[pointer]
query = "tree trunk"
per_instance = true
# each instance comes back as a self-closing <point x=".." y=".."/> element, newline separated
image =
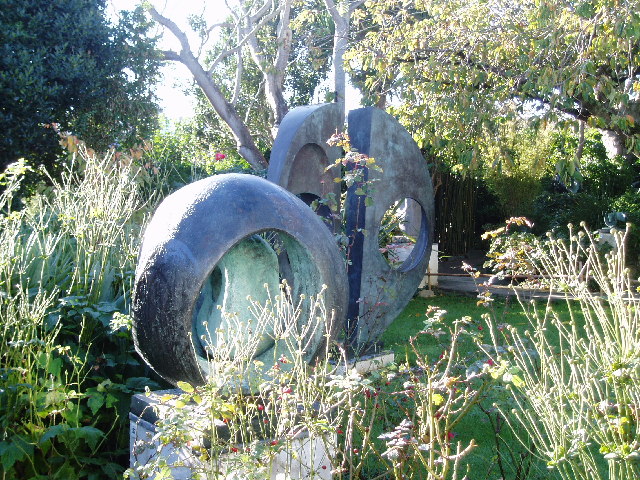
<point x="340" y="43"/>
<point x="340" y="39"/>
<point x="273" y="73"/>
<point x="246" y="147"/>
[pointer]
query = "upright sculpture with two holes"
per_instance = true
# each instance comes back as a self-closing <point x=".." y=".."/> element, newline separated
<point x="213" y="243"/>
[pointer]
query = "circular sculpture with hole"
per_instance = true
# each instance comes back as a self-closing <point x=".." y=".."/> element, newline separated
<point x="210" y="246"/>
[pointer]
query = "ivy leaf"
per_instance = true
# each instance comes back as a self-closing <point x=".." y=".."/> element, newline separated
<point x="91" y="435"/>
<point x="15" y="450"/>
<point x="53" y="432"/>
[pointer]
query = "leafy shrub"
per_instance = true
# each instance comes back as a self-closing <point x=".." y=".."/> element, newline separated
<point x="68" y="368"/>
<point x="398" y="423"/>
<point x="182" y="154"/>
<point x="629" y="203"/>
<point x="513" y="249"/>
<point x="554" y="211"/>
<point x="516" y="192"/>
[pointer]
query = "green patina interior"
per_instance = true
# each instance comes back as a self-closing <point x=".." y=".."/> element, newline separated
<point x="254" y="267"/>
<point x="242" y="272"/>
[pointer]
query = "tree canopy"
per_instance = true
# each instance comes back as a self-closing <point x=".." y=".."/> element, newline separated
<point x="455" y="66"/>
<point x="62" y="62"/>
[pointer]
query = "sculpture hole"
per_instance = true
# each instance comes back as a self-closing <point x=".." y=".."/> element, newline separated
<point x="320" y="206"/>
<point x="254" y="267"/>
<point x="402" y="234"/>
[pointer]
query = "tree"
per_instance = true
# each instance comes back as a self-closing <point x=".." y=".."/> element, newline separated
<point x="242" y="82"/>
<point x="341" y="13"/>
<point x="62" y="62"/>
<point x="264" y="33"/>
<point x="270" y="56"/>
<point x="457" y="65"/>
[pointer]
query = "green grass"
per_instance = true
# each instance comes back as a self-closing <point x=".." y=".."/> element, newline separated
<point x="480" y="424"/>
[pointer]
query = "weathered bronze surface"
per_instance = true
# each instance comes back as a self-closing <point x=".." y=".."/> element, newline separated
<point x="200" y="250"/>
<point x="301" y="155"/>
<point x="206" y="250"/>
<point x="378" y="292"/>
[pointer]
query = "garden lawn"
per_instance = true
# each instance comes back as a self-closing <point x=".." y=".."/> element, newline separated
<point x="501" y="456"/>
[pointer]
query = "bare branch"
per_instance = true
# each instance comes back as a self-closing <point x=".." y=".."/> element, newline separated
<point x="173" y="28"/>
<point x="248" y="35"/>
<point x="262" y="10"/>
<point x="171" y="56"/>
<point x="245" y="145"/>
<point x="354" y="5"/>
<point x="239" y="71"/>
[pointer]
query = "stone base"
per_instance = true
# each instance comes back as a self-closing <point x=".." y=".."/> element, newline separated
<point x="306" y="458"/>
<point x="366" y="363"/>
<point x="426" y="293"/>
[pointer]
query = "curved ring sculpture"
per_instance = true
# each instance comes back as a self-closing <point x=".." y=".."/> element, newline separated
<point x="378" y="292"/>
<point x="202" y="249"/>
<point x="300" y="156"/>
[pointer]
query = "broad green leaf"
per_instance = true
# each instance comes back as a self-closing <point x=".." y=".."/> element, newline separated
<point x="95" y="403"/>
<point x="186" y="387"/>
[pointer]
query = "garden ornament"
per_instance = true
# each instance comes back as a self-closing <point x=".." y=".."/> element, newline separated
<point x="211" y="244"/>
<point x="202" y="249"/>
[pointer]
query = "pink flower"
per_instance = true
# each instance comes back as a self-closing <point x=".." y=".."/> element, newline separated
<point x="220" y="156"/>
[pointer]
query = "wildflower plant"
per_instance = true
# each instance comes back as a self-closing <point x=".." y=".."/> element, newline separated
<point x="67" y="367"/>
<point x="576" y="382"/>
<point x="513" y="250"/>
<point x="398" y="422"/>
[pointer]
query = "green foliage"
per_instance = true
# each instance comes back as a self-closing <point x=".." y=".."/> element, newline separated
<point x="513" y="249"/>
<point x="68" y="368"/>
<point x="62" y="62"/>
<point x="242" y="81"/>
<point x="182" y="153"/>
<point x="554" y="211"/>
<point x="601" y="182"/>
<point x="455" y="67"/>
<point x="398" y="422"/>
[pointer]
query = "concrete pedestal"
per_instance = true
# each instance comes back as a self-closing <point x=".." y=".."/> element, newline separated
<point x="366" y="363"/>
<point x="305" y="457"/>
